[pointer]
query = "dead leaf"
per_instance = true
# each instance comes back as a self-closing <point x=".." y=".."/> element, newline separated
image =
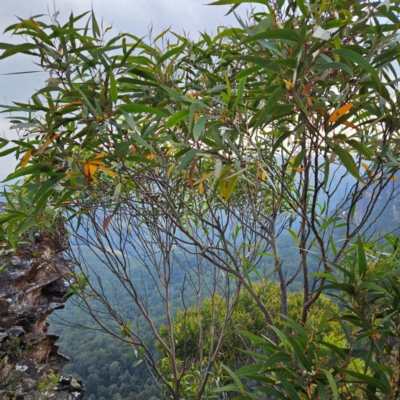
<point x="351" y="125"/>
<point x="106" y="222"/>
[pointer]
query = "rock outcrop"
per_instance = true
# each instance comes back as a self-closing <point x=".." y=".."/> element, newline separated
<point x="31" y="288"/>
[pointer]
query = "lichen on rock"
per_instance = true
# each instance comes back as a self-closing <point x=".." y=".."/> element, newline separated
<point x="31" y="288"/>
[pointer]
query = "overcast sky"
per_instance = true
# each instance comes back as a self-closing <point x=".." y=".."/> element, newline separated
<point x="133" y="16"/>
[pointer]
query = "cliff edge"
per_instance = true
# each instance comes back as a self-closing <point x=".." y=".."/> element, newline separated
<point x="31" y="288"/>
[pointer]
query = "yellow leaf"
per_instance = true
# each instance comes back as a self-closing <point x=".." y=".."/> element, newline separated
<point x="106" y="170"/>
<point x="26" y="158"/>
<point x="151" y="156"/>
<point x="52" y="80"/>
<point x="366" y="167"/>
<point x="204" y="177"/>
<point x="340" y="112"/>
<point x="289" y="84"/>
<point x="201" y="188"/>
<point x="73" y="103"/>
<point x="101" y="155"/>
<point x="170" y="169"/>
<point x="169" y="150"/>
<point x="263" y="176"/>
<point x="47" y="143"/>
<point x="393" y="178"/>
<point x="298" y="169"/>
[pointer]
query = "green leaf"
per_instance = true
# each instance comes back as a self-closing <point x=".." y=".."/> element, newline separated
<point x="227" y="2"/>
<point x="19" y="48"/>
<point x="199" y="126"/>
<point x="113" y="88"/>
<point x="359" y="60"/>
<point x="48" y="184"/>
<point x="303" y="8"/>
<point x="332" y="383"/>
<point x="30" y="170"/>
<point x="269" y="390"/>
<point x="188" y="157"/>
<point x="348" y="161"/>
<point x="334" y="65"/>
<point x="176" y="118"/>
<point x="272" y="101"/>
<point x="8" y="151"/>
<point x="361" y="258"/>
<point x="288" y="387"/>
<point x="283" y="34"/>
<point x="141" y="108"/>
<point x="171" y="53"/>
<point x="294" y="236"/>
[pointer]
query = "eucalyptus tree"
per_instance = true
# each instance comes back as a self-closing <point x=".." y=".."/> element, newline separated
<point x="164" y="148"/>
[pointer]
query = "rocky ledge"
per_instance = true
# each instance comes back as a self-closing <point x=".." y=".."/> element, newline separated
<point x="31" y="288"/>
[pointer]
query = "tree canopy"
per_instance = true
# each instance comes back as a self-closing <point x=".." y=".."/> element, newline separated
<point x="172" y="150"/>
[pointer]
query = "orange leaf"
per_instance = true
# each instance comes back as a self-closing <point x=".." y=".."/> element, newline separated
<point x="101" y="155"/>
<point x="263" y="176"/>
<point x="86" y="172"/>
<point x="375" y="336"/>
<point x="169" y="150"/>
<point x="351" y="125"/>
<point x="393" y="178"/>
<point x="340" y="112"/>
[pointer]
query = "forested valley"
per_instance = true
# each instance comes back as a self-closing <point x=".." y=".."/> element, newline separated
<point x="231" y="203"/>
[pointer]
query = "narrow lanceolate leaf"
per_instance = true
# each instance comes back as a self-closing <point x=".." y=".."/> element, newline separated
<point x="141" y="108"/>
<point x="294" y="236"/>
<point x="30" y="170"/>
<point x="303" y="8"/>
<point x="227" y="2"/>
<point x="113" y="88"/>
<point x="170" y="53"/>
<point x="199" y="127"/>
<point x="340" y="112"/>
<point x="348" y="161"/>
<point x="361" y="258"/>
<point x="283" y="34"/>
<point x="19" y="48"/>
<point x="25" y="159"/>
<point x="359" y="60"/>
<point x="176" y="118"/>
<point x="107" y="221"/>
<point x="230" y="187"/>
<point x="268" y="107"/>
<point x="332" y="383"/>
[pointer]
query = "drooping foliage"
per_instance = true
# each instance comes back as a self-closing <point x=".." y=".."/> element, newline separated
<point x="213" y="149"/>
